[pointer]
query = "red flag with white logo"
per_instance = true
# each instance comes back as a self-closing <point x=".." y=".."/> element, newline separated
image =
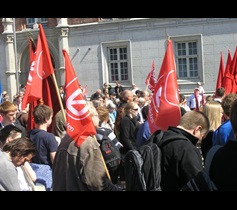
<point x="41" y="67"/>
<point x="164" y="110"/>
<point x="79" y="121"/>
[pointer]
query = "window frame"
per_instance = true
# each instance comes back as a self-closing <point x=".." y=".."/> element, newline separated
<point x="106" y="72"/>
<point x="31" y="21"/>
<point x="200" y="63"/>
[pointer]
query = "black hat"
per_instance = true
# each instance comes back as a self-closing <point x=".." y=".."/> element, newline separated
<point x="112" y="93"/>
<point x="5" y="132"/>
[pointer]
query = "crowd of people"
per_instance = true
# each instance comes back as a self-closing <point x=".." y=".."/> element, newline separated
<point x="48" y="156"/>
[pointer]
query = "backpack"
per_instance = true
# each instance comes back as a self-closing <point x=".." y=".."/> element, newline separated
<point x="202" y="181"/>
<point x="142" y="167"/>
<point x="110" y="151"/>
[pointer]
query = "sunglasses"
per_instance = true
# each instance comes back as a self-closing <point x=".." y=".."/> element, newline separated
<point x="135" y="109"/>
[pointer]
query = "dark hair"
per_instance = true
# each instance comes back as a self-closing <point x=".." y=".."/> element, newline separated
<point x="7" y="131"/>
<point x="233" y="116"/>
<point x="42" y="113"/>
<point x="20" y="147"/>
<point x="145" y="110"/>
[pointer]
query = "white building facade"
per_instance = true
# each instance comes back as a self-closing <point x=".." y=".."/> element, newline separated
<point x="123" y="50"/>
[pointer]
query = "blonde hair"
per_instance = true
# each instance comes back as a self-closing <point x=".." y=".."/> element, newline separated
<point x="6" y="107"/>
<point x="103" y="113"/>
<point x="213" y="111"/>
<point x="130" y="105"/>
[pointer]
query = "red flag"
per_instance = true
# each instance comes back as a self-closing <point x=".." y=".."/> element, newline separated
<point x="151" y="78"/>
<point x="41" y="67"/>
<point x="40" y="84"/>
<point x="79" y="122"/>
<point x="164" y="109"/>
<point x="234" y="73"/>
<point x="221" y="72"/>
<point x="227" y="81"/>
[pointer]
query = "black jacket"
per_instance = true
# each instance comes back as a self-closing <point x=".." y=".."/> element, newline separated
<point x="223" y="169"/>
<point x="128" y="133"/>
<point x="181" y="160"/>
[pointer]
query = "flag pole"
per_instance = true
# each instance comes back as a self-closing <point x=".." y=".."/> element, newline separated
<point x="106" y="169"/>
<point x="59" y="97"/>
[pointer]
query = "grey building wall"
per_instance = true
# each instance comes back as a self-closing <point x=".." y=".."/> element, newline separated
<point x="147" y="38"/>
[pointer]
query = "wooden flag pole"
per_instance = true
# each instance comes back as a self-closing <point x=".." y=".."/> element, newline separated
<point x="106" y="169"/>
<point x="59" y="97"/>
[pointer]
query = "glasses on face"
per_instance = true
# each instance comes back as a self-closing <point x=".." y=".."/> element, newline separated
<point x="135" y="109"/>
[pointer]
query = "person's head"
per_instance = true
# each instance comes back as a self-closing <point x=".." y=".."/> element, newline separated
<point x="9" y="133"/>
<point x="43" y="114"/>
<point x="214" y="112"/>
<point x="145" y="110"/>
<point x="8" y="111"/>
<point x="131" y="109"/>
<point x="197" y="91"/>
<point x="196" y="123"/>
<point x="94" y="114"/>
<point x="145" y="94"/>
<point x="103" y="114"/>
<point x="111" y="107"/>
<point x="134" y="86"/>
<point x="209" y="98"/>
<point x="220" y="92"/>
<point x="127" y="95"/>
<point x="233" y="117"/>
<point x="98" y="92"/>
<point x="20" y="150"/>
<point x="199" y="84"/>
<point x="226" y="104"/>
<point x="182" y="99"/>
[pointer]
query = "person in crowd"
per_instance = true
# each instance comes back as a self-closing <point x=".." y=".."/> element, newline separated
<point x="146" y="95"/>
<point x="46" y="143"/>
<point x="8" y="112"/>
<point x="183" y="102"/>
<point x="194" y="101"/>
<point x="118" y="89"/>
<point x="181" y="159"/>
<point x="224" y="132"/>
<point x="209" y="98"/>
<point x="23" y="116"/>
<point x="200" y="87"/>
<point x="129" y="127"/>
<point x="223" y="169"/>
<point x="106" y="88"/>
<point x="134" y="88"/>
<point x="81" y="168"/>
<point x="144" y="132"/>
<point x="9" y="133"/>
<point x="104" y="127"/>
<point x="220" y="94"/>
<point x="62" y="91"/>
<point x="111" y="107"/>
<point x="112" y="99"/>
<point x="98" y="94"/>
<point x="14" y="154"/>
<point x="59" y="121"/>
<point x="126" y="97"/>
<point x="214" y="113"/>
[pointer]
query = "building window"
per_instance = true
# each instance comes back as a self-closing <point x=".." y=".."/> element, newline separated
<point x="188" y="57"/>
<point x="117" y="62"/>
<point x="31" y="21"/>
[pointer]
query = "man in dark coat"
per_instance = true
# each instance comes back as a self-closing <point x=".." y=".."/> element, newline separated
<point x="181" y="159"/>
